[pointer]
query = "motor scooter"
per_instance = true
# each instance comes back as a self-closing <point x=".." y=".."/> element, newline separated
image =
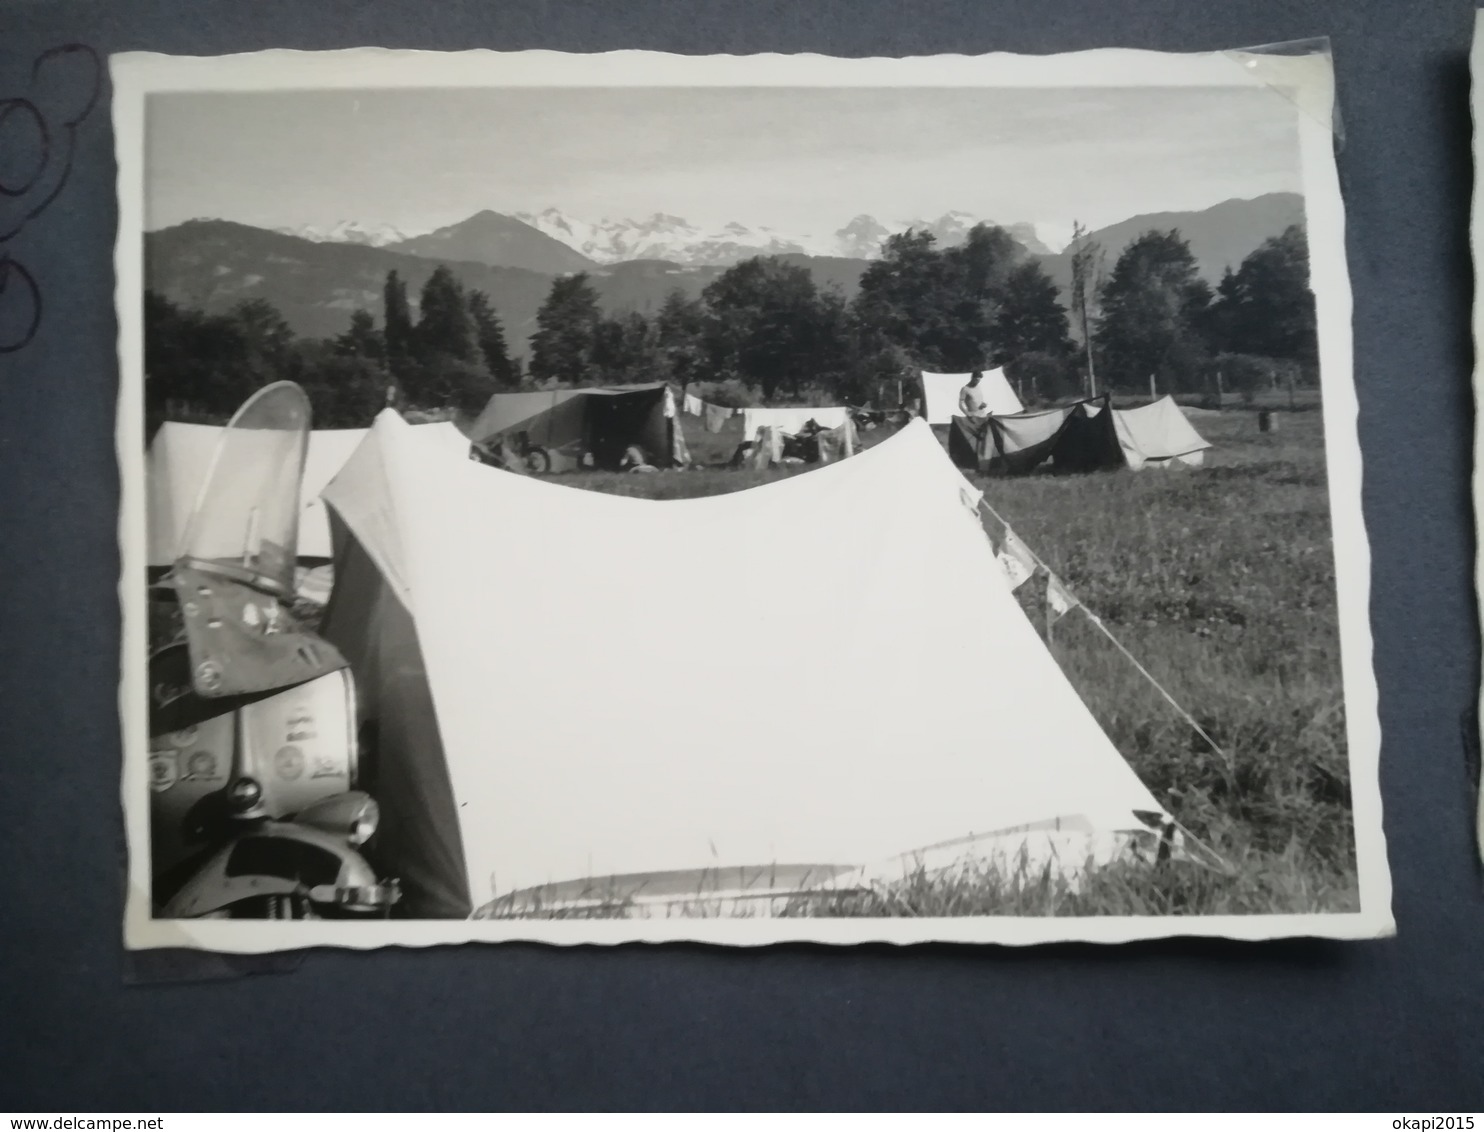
<point x="253" y="763"/>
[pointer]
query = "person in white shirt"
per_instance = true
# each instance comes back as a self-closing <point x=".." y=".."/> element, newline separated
<point x="971" y="402"/>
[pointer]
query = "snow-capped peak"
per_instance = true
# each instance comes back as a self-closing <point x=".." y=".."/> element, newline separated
<point x="348" y="232"/>
<point x="1054" y="234"/>
<point x="660" y="235"/>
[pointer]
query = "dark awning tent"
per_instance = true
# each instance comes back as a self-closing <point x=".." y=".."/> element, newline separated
<point x="1084" y="437"/>
<point x="604" y="421"/>
<point x="541" y="741"/>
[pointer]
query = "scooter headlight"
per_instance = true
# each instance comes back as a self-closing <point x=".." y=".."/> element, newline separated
<point x="364" y="826"/>
<point x="352" y="815"/>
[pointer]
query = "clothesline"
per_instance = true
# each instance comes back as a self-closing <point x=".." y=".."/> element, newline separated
<point x="1215" y="859"/>
<point x="695" y="406"/>
<point x="1098" y="621"/>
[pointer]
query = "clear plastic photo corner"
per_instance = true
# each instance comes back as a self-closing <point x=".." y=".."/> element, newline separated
<point x="632" y="497"/>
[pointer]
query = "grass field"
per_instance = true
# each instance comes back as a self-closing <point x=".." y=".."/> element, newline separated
<point x="1221" y="581"/>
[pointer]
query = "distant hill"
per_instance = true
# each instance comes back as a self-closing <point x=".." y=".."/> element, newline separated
<point x="212" y="265"/>
<point x="500" y="241"/>
<point x="1220" y="236"/>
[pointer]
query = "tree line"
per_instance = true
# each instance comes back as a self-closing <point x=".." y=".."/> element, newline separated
<point x="765" y="331"/>
<point x="451" y="356"/>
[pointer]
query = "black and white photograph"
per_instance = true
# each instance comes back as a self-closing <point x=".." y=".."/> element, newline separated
<point x="740" y="499"/>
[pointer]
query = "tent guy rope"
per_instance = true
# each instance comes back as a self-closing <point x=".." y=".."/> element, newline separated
<point x="1098" y="621"/>
<point x="1214" y="859"/>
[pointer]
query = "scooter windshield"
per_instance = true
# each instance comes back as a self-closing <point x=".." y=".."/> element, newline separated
<point x="246" y="521"/>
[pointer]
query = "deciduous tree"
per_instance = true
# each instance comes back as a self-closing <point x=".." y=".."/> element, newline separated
<point x="1031" y="319"/>
<point x="1154" y="303"/>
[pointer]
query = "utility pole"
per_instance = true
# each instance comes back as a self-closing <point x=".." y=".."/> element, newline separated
<point x="1086" y="260"/>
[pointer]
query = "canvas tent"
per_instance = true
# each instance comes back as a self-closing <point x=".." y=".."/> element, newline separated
<point x="540" y="734"/>
<point x="792" y="418"/>
<point x="771" y="447"/>
<point x="605" y="422"/>
<point x="1080" y="438"/>
<point x="940" y="394"/>
<point x="180" y="459"/>
<point x="1159" y="435"/>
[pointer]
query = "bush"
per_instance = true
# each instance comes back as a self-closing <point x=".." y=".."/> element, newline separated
<point x="442" y="381"/>
<point x="345" y="392"/>
<point x="731" y="393"/>
<point x="1039" y="377"/>
<point x="1250" y="374"/>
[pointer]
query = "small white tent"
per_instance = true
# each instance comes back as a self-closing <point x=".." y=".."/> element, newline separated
<point x="543" y="734"/>
<point x="940" y="394"/>
<point x="1159" y="435"/>
<point x="179" y="461"/>
<point x="792" y="418"/>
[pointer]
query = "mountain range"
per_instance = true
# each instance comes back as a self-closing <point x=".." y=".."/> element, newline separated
<point x="511" y="240"/>
<point x="347" y="232"/>
<point x="212" y="265"/>
<point x="317" y="278"/>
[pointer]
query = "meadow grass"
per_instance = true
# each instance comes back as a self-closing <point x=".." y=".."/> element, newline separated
<point x="1221" y="581"/>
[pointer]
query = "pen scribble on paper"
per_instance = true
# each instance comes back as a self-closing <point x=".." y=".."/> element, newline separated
<point x="38" y="138"/>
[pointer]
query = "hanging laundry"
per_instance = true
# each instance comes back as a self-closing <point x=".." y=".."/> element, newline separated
<point x="1059" y="600"/>
<point x="694" y="405"/>
<point x="1019" y="563"/>
<point x="969" y="496"/>
<point x="715" y="416"/>
<point x="767" y="448"/>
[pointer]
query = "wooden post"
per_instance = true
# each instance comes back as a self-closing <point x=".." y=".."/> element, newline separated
<point x="1151" y="387"/>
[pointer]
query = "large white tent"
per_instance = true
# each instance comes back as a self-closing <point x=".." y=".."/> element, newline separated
<point x="940" y="394"/>
<point x="544" y="726"/>
<point x="180" y="459"/>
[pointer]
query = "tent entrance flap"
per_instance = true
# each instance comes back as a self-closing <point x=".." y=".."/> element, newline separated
<point x="618" y="422"/>
<point x="1073" y="438"/>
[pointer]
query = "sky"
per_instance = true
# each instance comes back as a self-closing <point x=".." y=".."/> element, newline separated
<point x="798" y="160"/>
